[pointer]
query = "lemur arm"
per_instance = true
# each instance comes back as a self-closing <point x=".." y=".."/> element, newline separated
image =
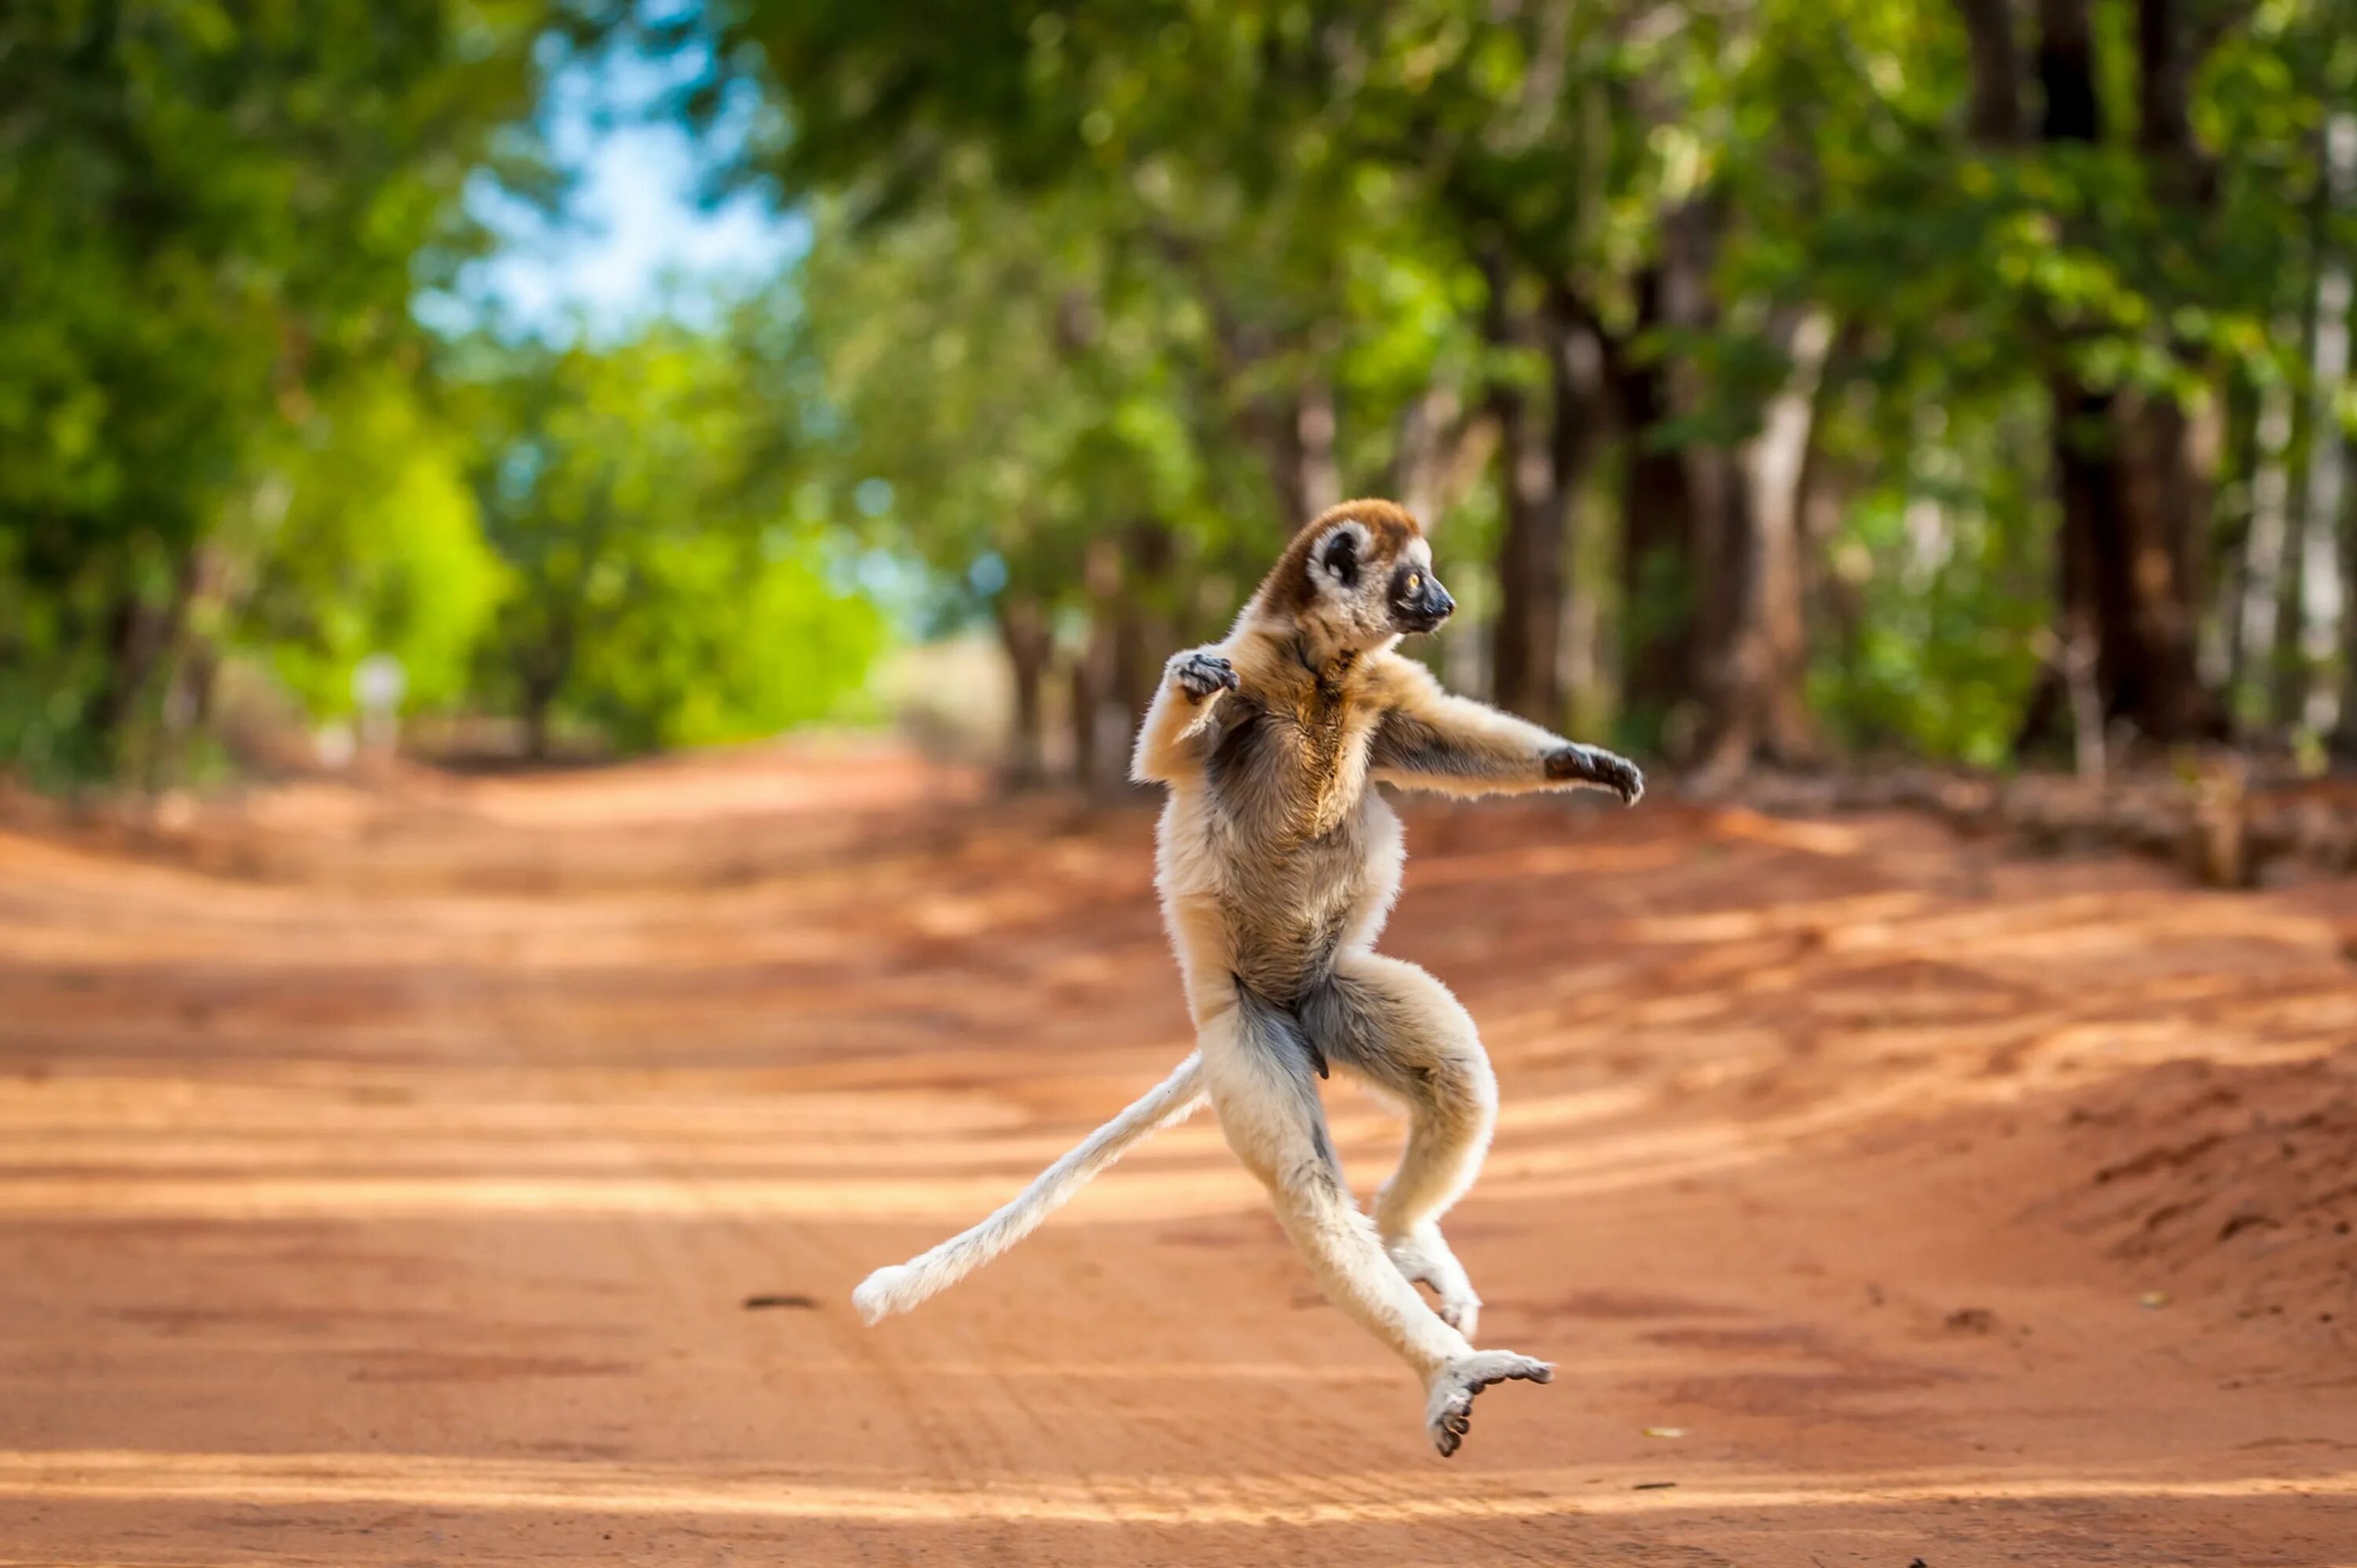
<point x="1429" y="739"/>
<point x="1171" y="740"/>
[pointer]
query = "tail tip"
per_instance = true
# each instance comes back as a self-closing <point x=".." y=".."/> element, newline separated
<point x="880" y="1294"/>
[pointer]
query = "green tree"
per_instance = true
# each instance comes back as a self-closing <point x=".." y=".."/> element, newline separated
<point x="215" y="214"/>
<point x="1788" y="271"/>
<point x="373" y="546"/>
<point x="661" y="588"/>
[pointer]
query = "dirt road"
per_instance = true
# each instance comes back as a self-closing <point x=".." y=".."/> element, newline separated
<point x="475" y="1173"/>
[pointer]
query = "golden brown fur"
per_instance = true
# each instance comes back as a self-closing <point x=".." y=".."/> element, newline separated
<point x="1287" y="588"/>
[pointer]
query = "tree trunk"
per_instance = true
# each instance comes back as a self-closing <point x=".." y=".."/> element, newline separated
<point x="1148" y="632"/>
<point x="133" y="637"/>
<point x="1657" y="544"/>
<point x="1530" y="550"/>
<point x="2266" y="554"/>
<point x="1576" y="421"/>
<point x="1996" y="72"/>
<point x="1023" y="632"/>
<point x="1437" y="451"/>
<point x="1530" y="567"/>
<point x="1099" y="726"/>
<point x="2246" y="410"/>
<point x="1750" y="642"/>
<point x="1299" y="437"/>
<point x="2163" y="502"/>
<point x="1145" y="634"/>
<point x="2328" y="294"/>
<point x="1315" y="428"/>
<point x="1295" y="437"/>
<point x="539" y="697"/>
<point x="2167" y="57"/>
<point x="140" y="635"/>
<point x="542" y="675"/>
<point x="1084" y="692"/>
<point x="1756" y="659"/>
<point x="2122" y="585"/>
<point x="2168" y="452"/>
<point x="2078" y="419"/>
<point x="1778" y="464"/>
<point x="1544" y="446"/>
<point x="194" y="661"/>
<point x="2130" y="535"/>
<point x="2330" y="569"/>
<point x="2066" y="71"/>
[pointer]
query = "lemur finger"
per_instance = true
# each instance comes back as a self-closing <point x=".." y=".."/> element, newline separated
<point x="1204" y="674"/>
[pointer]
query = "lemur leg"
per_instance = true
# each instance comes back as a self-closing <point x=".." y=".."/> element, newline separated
<point x="1265" y="1090"/>
<point x="1404" y="1032"/>
<point x="1258" y="1070"/>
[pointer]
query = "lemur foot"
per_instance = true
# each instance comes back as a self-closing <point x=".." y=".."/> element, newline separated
<point x="1594" y="765"/>
<point x="1203" y="673"/>
<point x="1448" y="1408"/>
<point x="1427" y="1261"/>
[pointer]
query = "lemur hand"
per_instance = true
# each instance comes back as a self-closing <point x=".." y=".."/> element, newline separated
<point x="1200" y="674"/>
<point x="1594" y="765"/>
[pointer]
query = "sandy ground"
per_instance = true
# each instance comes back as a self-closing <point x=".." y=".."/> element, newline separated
<point x="476" y="1172"/>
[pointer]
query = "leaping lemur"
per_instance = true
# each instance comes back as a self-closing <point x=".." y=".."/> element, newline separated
<point x="1276" y="868"/>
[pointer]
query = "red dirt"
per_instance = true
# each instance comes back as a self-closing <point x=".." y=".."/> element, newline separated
<point x="384" y="1177"/>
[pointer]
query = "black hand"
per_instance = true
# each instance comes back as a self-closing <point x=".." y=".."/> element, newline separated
<point x="1204" y="674"/>
<point x="1593" y="765"/>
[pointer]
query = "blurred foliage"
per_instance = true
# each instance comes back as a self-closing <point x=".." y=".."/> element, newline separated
<point x="1288" y="192"/>
<point x="216" y="213"/>
<point x="1779" y="377"/>
<point x="660" y="589"/>
<point x="378" y="549"/>
<point x="223" y="433"/>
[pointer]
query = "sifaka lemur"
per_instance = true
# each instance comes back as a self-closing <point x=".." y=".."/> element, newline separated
<point x="1277" y="866"/>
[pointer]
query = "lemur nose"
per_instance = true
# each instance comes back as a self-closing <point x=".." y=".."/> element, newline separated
<point x="1441" y="603"/>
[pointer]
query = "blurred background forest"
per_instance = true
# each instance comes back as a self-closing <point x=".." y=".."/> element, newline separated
<point x="1783" y="381"/>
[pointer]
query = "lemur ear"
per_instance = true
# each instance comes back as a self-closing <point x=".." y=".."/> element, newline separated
<point x="1340" y="555"/>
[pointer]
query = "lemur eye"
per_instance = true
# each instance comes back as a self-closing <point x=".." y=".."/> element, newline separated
<point x="1415" y="582"/>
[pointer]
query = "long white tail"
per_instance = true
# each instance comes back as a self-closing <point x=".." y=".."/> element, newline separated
<point x="900" y="1286"/>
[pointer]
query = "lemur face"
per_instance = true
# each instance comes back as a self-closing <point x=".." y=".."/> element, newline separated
<point x="1370" y="578"/>
<point x="1418" y="601"/>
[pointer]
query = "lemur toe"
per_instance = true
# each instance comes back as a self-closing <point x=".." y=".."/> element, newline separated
<point x="1424" y="1259"/>
<point x="1448" y="1414"/>
<point x="1460" y="1309"/>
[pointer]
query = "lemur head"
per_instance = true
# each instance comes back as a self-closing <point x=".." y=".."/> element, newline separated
<point x="1358" y="575"/>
